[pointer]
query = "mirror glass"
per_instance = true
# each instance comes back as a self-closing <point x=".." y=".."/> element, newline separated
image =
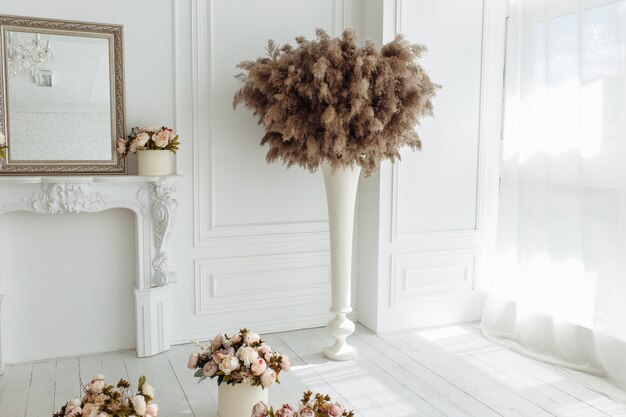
<point x="61" y="96"/>
<point x="61" y="109"/>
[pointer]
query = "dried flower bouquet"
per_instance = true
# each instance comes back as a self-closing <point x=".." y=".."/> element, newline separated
<point x="319" y="405"/>
<point x="330" y="100"/>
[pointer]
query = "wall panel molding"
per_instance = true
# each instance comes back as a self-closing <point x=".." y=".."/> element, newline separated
<point x="427" y="275"/>
<point x="207" y="232"/>
<point x="256" y="283"/>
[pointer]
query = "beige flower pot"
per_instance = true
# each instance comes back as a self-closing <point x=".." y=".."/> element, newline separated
<point x="238" y="400"/>
<point x="154" y="162"/>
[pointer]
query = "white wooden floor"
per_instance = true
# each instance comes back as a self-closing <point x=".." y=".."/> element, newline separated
<point x="449" y="371"/>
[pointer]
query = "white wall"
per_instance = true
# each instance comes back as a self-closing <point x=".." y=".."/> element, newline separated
<point x="251" y="244"/>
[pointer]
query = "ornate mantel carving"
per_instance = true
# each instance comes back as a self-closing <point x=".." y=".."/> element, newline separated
<point x="153" y="201"/>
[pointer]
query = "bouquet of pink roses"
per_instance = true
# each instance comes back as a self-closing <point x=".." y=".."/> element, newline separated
<point x="318" y="406"/>
<point x="101" y="400"/>
<point x="149" y="138"/>
<point x="241" y="358"/>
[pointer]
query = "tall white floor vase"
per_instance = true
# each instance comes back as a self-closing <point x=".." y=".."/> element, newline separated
<point x="341" y="186"/>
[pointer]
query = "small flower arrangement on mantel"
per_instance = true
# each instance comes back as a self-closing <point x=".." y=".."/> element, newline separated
<point x="244" y="366"/>
<point x="102" y="400"/>
<point x="149" y="144"/>
<point x="319" y="405"/>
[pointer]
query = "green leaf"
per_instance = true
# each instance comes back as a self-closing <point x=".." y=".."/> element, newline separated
<point x="142" y="380"/>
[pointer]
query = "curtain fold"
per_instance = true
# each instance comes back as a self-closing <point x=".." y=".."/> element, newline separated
<point x="559" y="285"/>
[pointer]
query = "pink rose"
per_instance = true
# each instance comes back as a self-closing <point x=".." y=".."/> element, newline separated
<point x="161" y="139"/>
<point x="285" y="363"/>
<point x="258" y="367"/>
<point x="229" y="364"/>
<point x="209" y="369"/>
<point x="193" y="360"/>
<point x="259" y="410"/>
<point x="268" y="378"/>
<point x="336" y="410"/>
<point x="152" y="410"/>
<point x="306" y="412"/>
<point x="264" y="349"/>
<point x="121" y="146"/>
<point x="286" y="411"/>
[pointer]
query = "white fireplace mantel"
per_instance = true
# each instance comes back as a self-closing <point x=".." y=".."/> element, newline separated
<point x="153" y="201"/>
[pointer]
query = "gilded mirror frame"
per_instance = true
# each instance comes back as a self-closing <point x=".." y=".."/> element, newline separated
<point x="114" y="33"/>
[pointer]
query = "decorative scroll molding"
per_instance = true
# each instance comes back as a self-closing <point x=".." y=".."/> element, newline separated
<point x="164" y="213"/>
<point x="66" y="198"/>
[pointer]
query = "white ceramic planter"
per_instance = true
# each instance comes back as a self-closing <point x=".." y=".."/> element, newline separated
<point x="341" y="187"/>
<point x="154" y="162"/>
<point x="238" y="400"/>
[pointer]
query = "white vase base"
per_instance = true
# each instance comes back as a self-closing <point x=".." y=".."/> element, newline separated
<point x="344" y="352"/>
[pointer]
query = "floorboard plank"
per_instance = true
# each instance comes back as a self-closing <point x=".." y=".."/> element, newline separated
<point x="67" y="382"/>
<point x="15" y="394"/>
<point x="40" y="396"/>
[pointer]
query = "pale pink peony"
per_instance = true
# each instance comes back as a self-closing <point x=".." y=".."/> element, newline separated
<point x="147" y="389"/>
<point x="95" y="386"/>
<point x="121" y="146"/>
<point x="102" y="414"/>
<point x="139" y="405"/>
<point x="217" y="341"/>
<point x="74" y="403"/>
<point x="251" y="338"/>
<point x="222" y="354"/>
<point x="264" y="349"/>
<point x="193" y="360"/>
<point x="91" y="410"/>
<point x="152" y="410"/>
<point x="152" y="128"/>
<point x="259" y="366"/>
<point x="306" y="412"/>
<point x="247" y="355"/>
<point x="336" y="410"/>
<point x="134" y="145"/>
<point x="286" y="411"/>
<point x="161" y="139"/>
<point x="268" y="378"/>
<point x="259" y="410"/>
<point x="142" y="138"/>
<point x="229" y="364"/>
<point x="209" y="369"/>
<point x="285" y="363"/>
<point x="235" y="339"/>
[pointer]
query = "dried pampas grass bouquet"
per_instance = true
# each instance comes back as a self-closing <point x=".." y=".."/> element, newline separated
<point x="331" y="100"/>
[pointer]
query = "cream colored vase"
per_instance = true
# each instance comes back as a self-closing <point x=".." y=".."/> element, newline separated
<point x="154" y="163"/>
<point x="238" y="400"/>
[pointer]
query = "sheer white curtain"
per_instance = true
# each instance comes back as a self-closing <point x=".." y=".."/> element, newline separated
<point x="559" y="287"/>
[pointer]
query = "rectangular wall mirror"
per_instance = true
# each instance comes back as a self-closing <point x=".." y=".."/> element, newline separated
<point x="62" y="96"/>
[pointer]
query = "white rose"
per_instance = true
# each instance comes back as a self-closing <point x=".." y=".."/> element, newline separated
<point x="268" y="378"/>
<point x="247" y="354"/>
<point x="3" y="139"/>
<point x="142" y="138"/>
<point x="152" y="128"/>
<point x="148" y="390"/>
<point x="229" y="364"/>
<point x="139" y="404"/>
<point x="74" y="403"/>
<point x="193" y="360"/>
<point x="252" y="338"/>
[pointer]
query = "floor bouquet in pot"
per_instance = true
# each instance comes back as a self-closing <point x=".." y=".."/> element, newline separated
<point x="318" y="405"/>
<point x="244" y="366"/>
